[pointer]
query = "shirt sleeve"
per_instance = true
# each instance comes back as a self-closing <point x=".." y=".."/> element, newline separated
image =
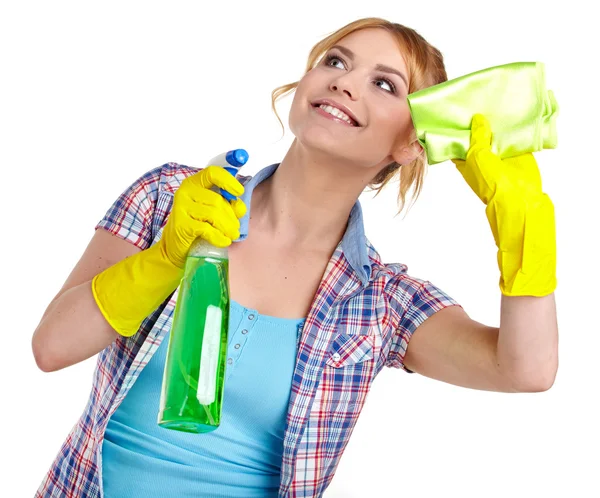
<point x="130" y="216"/>
<point x="414" y="300"/>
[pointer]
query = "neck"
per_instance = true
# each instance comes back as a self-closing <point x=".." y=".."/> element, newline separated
<point x="306" y="203"/>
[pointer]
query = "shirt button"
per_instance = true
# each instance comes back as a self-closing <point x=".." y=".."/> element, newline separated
<point x="237" y="346"/>
<point x="336" y="357"/>
<point x="230" y="361"/>
<point x="244" y="331"/>
<point x="250" y="317"/>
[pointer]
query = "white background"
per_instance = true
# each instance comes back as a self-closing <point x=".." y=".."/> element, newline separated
<point x="92" y="95"/>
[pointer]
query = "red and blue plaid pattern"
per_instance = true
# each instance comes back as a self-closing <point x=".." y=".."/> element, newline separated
<point x="362" y="318"/>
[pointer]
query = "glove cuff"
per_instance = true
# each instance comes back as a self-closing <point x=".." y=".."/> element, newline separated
<point x="525" y="235"/>
<point x="129" y="291"/>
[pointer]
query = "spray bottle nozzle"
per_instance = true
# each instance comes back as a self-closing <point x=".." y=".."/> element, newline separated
<point x="237" y="157"/>
<point x="231" y="160"/>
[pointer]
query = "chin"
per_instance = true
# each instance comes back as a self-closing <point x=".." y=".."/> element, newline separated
<point x="317" y="138"/>
<point x="319" y="143"/>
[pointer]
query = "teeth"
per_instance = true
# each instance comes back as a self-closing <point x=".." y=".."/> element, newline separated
<point x="334" y="111"/>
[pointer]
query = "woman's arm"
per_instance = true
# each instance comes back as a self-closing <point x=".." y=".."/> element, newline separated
<point x="519" y="356"/>
<point x="522" y="354"/>
<point x="72" y="328"/>
<point x="528" y="341"/>
<point x="116" y="285"/>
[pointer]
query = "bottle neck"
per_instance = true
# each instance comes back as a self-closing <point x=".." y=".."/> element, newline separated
<point x="203" y="248"/>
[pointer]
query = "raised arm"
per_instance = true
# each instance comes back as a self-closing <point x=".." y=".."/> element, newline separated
<point x="521" y="355"/>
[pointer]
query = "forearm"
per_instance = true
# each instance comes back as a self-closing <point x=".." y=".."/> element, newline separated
<point x="72" y="330"/>
<point x="528" y="341"/>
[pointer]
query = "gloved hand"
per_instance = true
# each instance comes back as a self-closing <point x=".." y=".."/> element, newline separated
<point x="199" y="212"/>
<point x="132" y="289"/>
<point x="521" y="216"/>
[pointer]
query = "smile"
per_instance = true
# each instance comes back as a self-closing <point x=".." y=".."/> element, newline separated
<point x="336" y="112"/>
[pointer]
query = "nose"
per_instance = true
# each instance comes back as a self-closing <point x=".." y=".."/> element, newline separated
<point x="334" y="88"/>
<point x="345" y="85"/>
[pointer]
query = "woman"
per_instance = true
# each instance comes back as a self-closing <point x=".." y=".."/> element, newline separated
<point x="315" y="313"/>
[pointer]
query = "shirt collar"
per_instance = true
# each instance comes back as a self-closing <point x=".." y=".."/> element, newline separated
<point x="354" y="241"/>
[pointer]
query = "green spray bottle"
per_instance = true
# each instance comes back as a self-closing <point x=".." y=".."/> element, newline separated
<point x="194" y="375"/>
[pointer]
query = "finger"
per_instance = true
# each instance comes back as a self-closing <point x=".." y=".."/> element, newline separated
<point x="481" y="133"/>
<point x="225" y="222"/>
<point x="206" y="197"/>
<point x="212" y="235"/>
<point x="210" y="198"/>
<point x="225" y="180"/>
<point x="206" y="205"/>
<point x="239" y="208"/>
<point x="219" y="177"/>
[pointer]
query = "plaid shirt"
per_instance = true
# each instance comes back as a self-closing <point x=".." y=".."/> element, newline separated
<point x="361" y="319"/>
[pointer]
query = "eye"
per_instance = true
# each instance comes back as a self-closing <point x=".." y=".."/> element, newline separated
<point x="384" y="81"/>
<point x="331" y="59"/>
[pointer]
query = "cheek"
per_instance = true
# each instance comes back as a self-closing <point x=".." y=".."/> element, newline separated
<point x="297" y="108"/>
<point x="396" y="123"/>
<point x="295" y="117"/>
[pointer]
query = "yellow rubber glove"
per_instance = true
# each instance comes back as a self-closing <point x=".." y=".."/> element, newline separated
<point x="520" y="214"/>
<point x="132" y="289"/>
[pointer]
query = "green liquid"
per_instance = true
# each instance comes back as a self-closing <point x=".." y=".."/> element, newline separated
<point x="193" y="382"/>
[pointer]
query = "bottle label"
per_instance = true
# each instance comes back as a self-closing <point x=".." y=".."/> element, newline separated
<point x="209" y="356"/>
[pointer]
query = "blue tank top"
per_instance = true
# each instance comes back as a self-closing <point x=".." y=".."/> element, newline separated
<point x="242" y="458"/>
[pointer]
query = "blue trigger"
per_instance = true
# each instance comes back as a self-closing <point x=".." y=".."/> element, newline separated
<point x="233" y="171"/>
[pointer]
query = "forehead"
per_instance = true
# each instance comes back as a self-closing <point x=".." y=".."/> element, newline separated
<point x="375" y="46"/>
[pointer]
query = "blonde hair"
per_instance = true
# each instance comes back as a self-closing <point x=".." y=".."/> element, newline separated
<point x="425" y="65"/>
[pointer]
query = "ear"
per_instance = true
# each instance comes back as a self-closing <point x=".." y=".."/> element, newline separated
<point x="406" y="154"/>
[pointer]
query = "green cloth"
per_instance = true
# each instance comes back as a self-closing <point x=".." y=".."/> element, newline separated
<point x="513" y="98"/>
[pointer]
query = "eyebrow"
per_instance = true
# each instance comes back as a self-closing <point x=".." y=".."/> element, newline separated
<point x="379" y="67"/>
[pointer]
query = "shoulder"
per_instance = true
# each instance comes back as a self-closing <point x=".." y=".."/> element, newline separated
<point x="381" y="271"/>
<point x="403" y="290"/>
<point x="149" y="185"/>
<point x="147" y="197"/>
<point x="169" y="176"/>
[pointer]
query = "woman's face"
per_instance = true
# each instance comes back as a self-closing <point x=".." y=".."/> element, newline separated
<point x="365" y="77"/>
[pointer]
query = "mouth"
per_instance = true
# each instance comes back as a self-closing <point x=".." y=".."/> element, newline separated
<point x="336" y="110"/>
